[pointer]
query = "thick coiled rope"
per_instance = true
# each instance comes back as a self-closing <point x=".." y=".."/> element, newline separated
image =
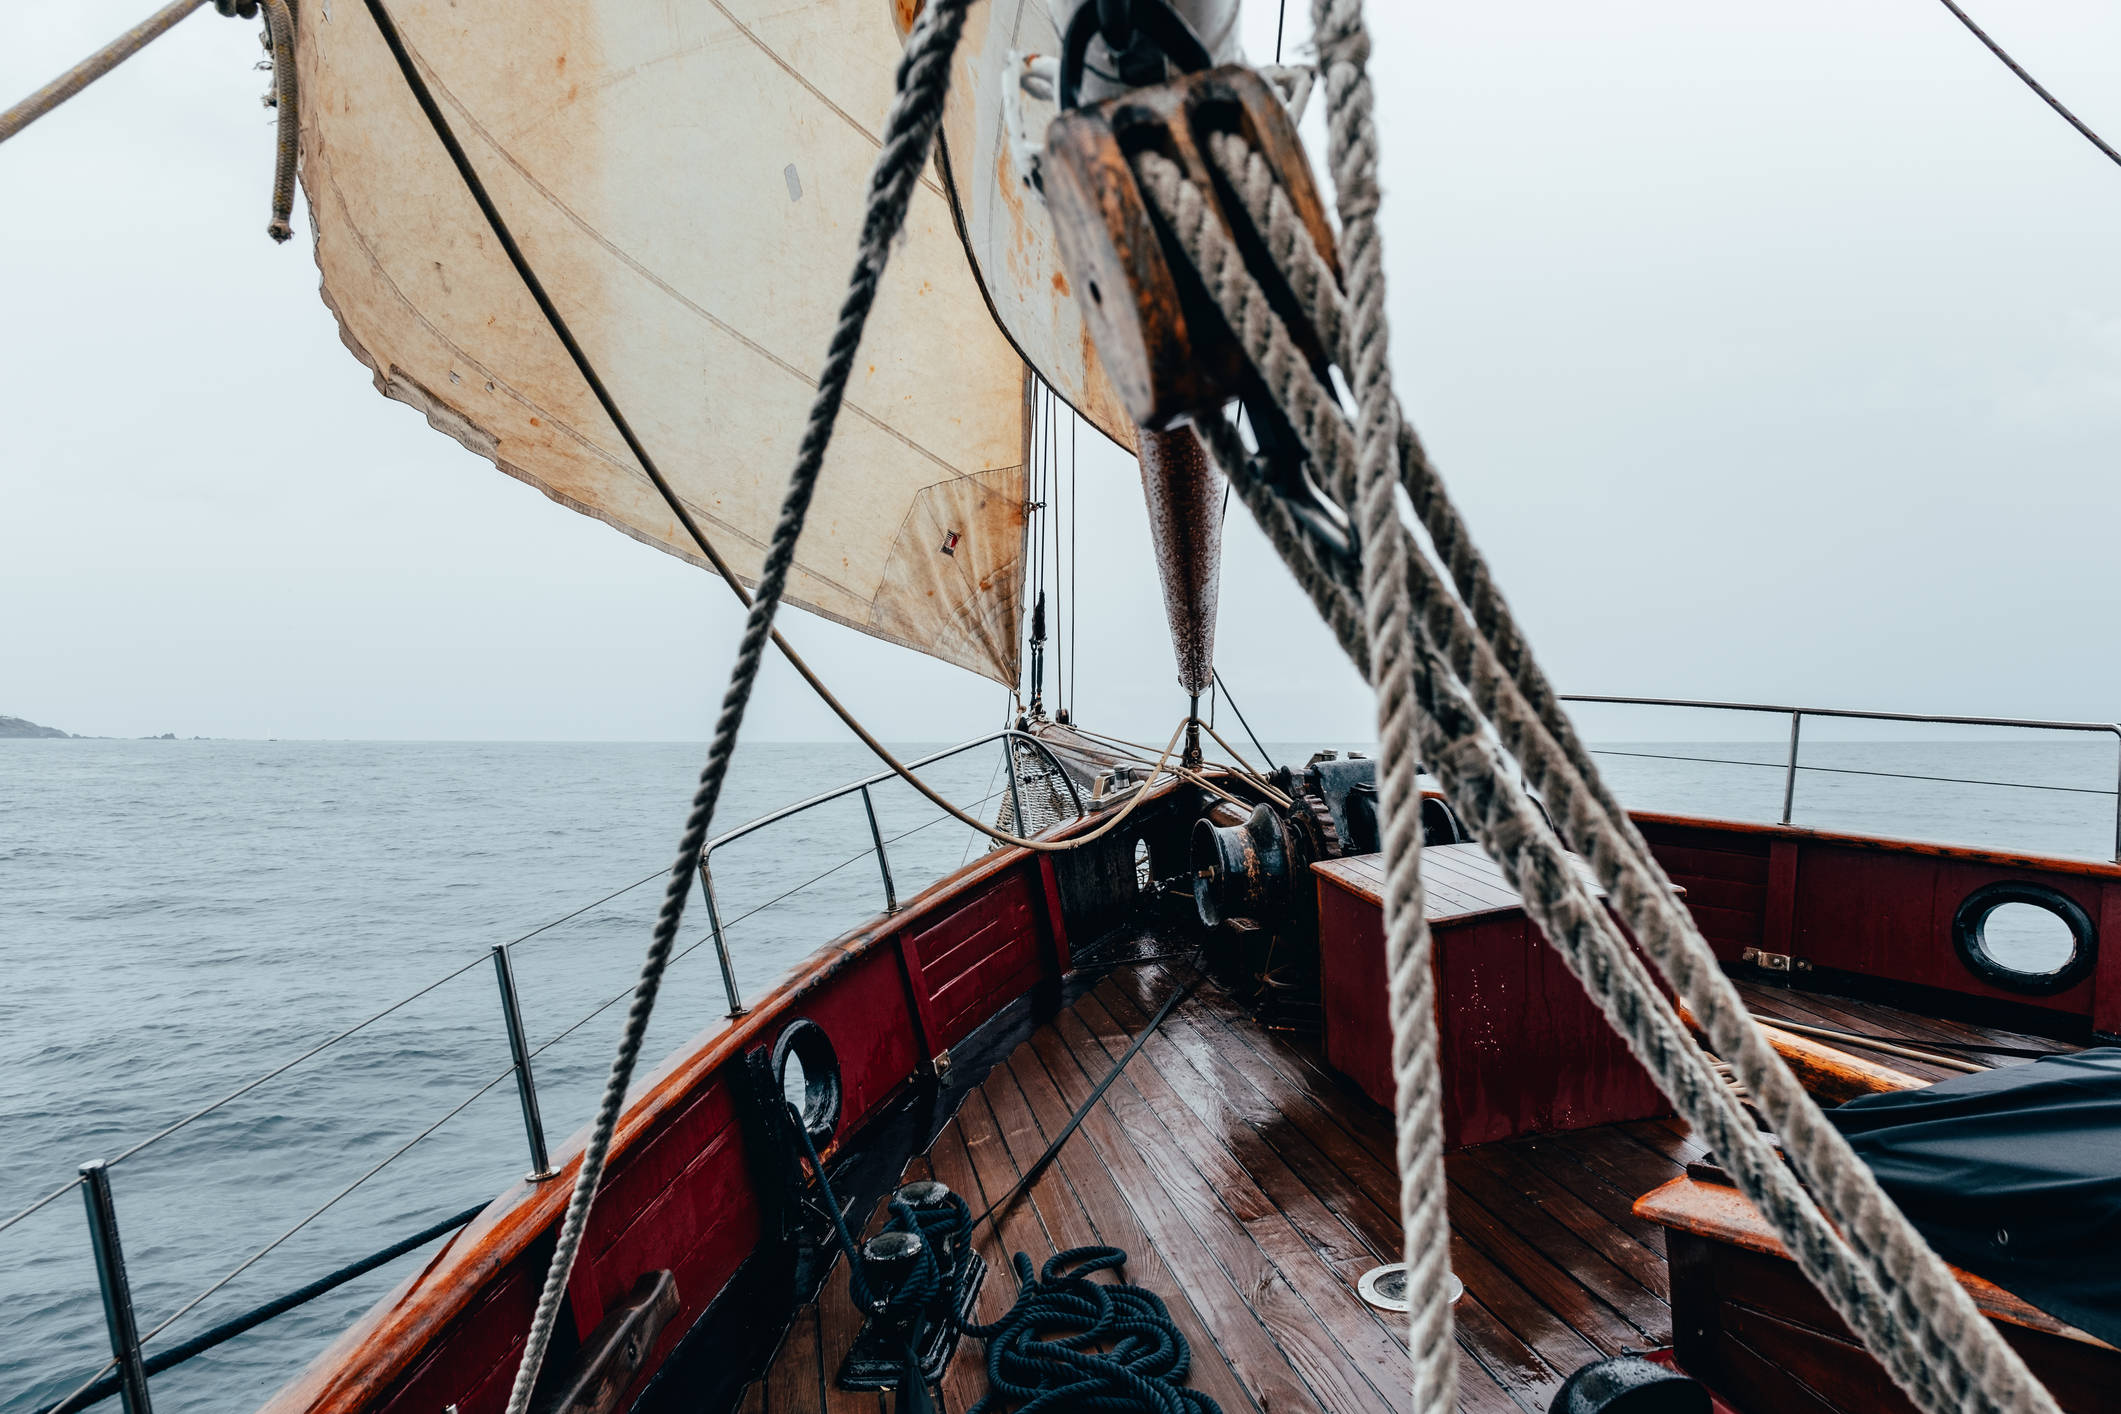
<point x="1039" y="1354"/>
<point x="909" y="134"/>
<point x="1890" y="1287"/>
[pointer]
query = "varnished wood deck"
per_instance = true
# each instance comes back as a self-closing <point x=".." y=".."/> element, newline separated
<point x="1251" y="1190"/>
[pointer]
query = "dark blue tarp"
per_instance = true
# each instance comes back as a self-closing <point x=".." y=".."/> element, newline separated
<point x="2013" y="1174"/>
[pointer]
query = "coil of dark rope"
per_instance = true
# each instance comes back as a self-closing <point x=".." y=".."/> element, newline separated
<point x="1040" y="1355"/>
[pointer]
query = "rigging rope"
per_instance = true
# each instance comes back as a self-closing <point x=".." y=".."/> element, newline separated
<point x="1457" y="680"/>
<point x="1226" y="687"/>
<point x="94" y="67"/>
<point x="279" y="40"/>
<point x="2030" y="82"/>
<point x="1485" y="794"/>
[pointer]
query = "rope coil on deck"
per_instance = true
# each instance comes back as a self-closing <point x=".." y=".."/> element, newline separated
<point x="1039" y="1353"/>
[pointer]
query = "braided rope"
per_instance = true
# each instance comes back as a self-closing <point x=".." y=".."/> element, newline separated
<point x="1386" y="550"/>
<point x="916" y="111"/>
<point x="280" y="38"/>
<point x="1910" y="1332"/>
<point x="13" y="120"/>
<point x="1492" y="656"/>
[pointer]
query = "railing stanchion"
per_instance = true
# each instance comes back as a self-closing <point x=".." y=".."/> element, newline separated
<point x="721" y="944"/>
<point x="117" y="1291"/>
<point x="1016" y="798"/>
<point x="883" y="861"/>
<point x="2117" y="800"/>
<point x="519" y="1051"/>
<point x="1789" y="775"/>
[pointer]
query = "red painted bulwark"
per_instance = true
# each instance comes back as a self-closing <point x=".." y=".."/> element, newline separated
<point x="1875" y="907"/>
<point x="981" y="956"/>
<point x="1523" y="1049"/>
<point x="678" y="1192"/>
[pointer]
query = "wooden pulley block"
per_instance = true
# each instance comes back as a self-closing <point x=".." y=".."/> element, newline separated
<point x="1161" y="340"/>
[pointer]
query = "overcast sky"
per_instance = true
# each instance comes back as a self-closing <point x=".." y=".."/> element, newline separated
<point x="1773" y="350"/>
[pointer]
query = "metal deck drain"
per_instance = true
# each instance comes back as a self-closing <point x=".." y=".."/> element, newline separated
<point x="1386" y="1287"/>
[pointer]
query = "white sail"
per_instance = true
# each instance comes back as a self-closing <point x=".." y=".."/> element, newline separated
<point x="687" y="181"/>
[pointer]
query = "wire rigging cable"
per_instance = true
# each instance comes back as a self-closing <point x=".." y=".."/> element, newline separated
<point x="2030" y="82"/>
<point x="1848" y="771"/>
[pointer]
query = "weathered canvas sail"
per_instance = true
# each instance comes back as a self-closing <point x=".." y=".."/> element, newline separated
<point x="687" y="180"/>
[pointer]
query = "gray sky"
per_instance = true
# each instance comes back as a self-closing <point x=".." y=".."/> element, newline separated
<point x="1773" y="351"/>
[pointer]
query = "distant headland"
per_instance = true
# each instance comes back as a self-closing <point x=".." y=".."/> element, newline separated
<point x="16" y="727"/>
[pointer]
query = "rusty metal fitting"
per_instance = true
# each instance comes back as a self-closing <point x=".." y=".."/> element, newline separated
<point x="1161" y="339"/>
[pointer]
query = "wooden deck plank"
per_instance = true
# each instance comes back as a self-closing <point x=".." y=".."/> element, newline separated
<point x="1272" y="1158"/>
<point x="1586" y="1223"/>
<point x="1220" y="1220"/>
<point x="1321" y="1272"/>
<point x="1267" y="1375"/>
<point x="1114" y="1224"/>
<point x="1540" y="1153"/>
<point x="794" y="1385"/>
<point x="1023" y="1228"/>
<point x="1059" y="1210"/>
<point x="1251" y="1188"/>
<point x="1556" y="1288"/>
<point x="1529" y="1221"/>
<point x="1501" y="1323"/>
<point x="1529" y="1347"/>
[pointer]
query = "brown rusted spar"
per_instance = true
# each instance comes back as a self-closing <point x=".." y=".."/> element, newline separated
<point x="1160" y="338"/>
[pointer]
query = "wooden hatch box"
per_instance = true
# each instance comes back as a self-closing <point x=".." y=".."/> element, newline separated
<point x="1524" y="1049"/>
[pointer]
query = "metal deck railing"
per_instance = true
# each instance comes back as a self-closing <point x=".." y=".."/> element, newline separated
<point x="1791" y="766"/>
<point x="126" y="1373"/>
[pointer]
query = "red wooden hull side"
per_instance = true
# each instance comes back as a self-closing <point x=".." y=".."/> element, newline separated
<point x="678" y="1192"/>
<point x="1875" y="907"/>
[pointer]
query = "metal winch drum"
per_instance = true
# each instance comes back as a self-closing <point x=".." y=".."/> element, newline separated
<point x="1239" y="871"/>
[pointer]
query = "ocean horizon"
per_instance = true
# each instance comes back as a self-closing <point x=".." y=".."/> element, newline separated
<point x="178" y="917"/>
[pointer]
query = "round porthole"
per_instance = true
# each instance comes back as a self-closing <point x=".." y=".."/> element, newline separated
<point x="1144" y="867"/>
<point x="2026" y="937"/>
<point x="809" y="1073"/>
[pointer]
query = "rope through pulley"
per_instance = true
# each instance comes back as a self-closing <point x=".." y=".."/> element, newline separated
<point x="1188" y="216"/>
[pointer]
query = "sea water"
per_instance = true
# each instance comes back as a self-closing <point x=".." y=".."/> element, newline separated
<point x="179" y="917"/>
